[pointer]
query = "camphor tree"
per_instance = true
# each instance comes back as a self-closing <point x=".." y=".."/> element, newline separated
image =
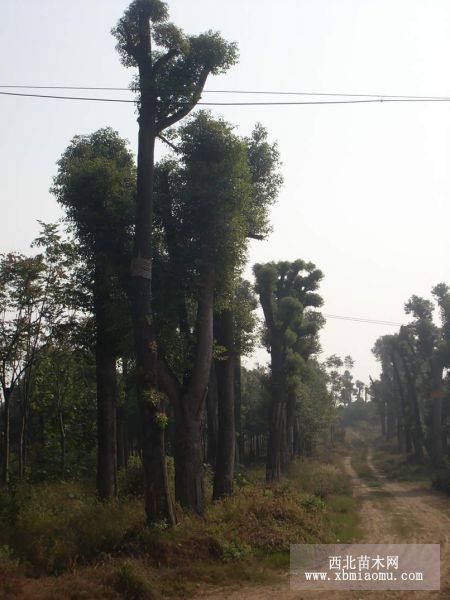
<point x="412" y="393"/>
<point x="96" y="185"/>
<point x="233" y="323"/>
<point x="285" y="290"/>
<point x="202" y="204"/>
<point x="172" y="71"/>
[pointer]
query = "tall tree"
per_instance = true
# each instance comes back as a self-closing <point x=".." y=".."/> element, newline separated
<point x="202" y="204"/>
<point x="285" y="290"/>
<point x="96" y="185"/>
<point x="172" y="71"/>
<point x="264" y="163"/>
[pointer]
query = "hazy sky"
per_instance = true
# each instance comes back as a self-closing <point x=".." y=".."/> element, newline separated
<point x="366" y="186"/>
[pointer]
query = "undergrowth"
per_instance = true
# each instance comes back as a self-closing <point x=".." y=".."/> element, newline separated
<point x="61" y="529"/>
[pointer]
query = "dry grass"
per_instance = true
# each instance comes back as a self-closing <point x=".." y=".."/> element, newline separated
<point x="105" y="551"/>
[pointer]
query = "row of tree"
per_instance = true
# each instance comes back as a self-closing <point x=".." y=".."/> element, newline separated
<point x="412" y="394"/>
<point x="141" y="315"/>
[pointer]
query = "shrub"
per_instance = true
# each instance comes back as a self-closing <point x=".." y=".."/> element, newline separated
<point x="441" y="479"/>
<point x="58" y="525"/>
<point x="131" y="479"/>
<point x="10" y="575"/>
<point x="322" y="480"/>
<point x="133" y="582"/>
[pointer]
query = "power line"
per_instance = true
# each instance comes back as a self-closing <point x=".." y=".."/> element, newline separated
<point x="363" y="320"/>
<point x="296" y="103"/>
<point x="255" y="92"/>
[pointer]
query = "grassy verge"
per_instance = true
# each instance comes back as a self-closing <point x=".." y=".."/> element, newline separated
<point x="394" y="466"/>
<point x="59" y="542"/>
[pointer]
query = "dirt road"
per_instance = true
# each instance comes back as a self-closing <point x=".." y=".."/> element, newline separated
<point x="391" y="512"/>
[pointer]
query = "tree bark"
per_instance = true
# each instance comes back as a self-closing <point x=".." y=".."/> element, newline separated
<point x="405" y="410"/>
<point x="289" y="439"/>
<point x="277" y="418"/>
<point x="225" y="369"/>
<point x="188" y="457"/>
<point x="212" y="417"/>
<point x="22" y="440"/>
<point x="106" y="420"/>
<point x="105" y="362"/>
<point x="158" y="504"/>
<point x="437" y="450"/>
<point x="417" y="432"/>
<point x="4" y="470"/>
<point x="240" y="455"/>
<point x="189" y="402"/>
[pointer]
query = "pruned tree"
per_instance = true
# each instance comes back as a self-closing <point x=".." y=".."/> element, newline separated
<point x="172" y="71"/>
<point x="96" y="186"/>
<point x="285" y="290"/>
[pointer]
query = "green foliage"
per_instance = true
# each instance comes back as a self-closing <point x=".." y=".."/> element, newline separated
<point x="58" y="524"/>
<point x="131" y="479"/>
<point x="127" y="31"/>
<point x="441" y="478"/>
<point x="11" y="576"/>
<point x="173" y="67"/>
<point x="96" y="186"/>
<point x="133" y="583"/>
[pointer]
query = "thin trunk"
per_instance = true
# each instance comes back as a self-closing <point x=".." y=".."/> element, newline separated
<point x="22" y="441"/>
<point x="437" y="450"/>
<point x="121" y="458"/>
<point x="290" y="418"/>
<point x="105" y="362"/>
<point x="106" y="421"/>
<point x="405" y="410"/>
<point x="239" y="458"/>
<point x="277" y="418"/>
<point x="225" y="369"/>
<point x="62" y="442"/>
<point x="4" y="470"/>
<point x="212" y="417"/>
<point x="417" y="432"/>
<point x="296" y="436"/>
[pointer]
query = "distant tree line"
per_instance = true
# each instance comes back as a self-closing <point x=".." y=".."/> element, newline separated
<point x="412" y="394"/>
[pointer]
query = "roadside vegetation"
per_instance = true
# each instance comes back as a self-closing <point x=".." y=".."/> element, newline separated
<point x="62" y="535"/>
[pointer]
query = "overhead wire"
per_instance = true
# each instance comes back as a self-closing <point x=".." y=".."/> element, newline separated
<point x="277" y="103"/>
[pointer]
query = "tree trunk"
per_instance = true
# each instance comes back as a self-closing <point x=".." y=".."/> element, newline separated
<point x="105" y="362"/>
<point x="225" y="369"/>
<point x="22" y="441"/>
<point x="296" y="436"/>
<point x="212" y="417"/>
<point x="121" y="439"/>
<point x="189" y="490"/>
<point x="62" y="443"/>
<point x="277" y="417"/>
<point x="4" y="470"/>
<point x="436" y="414"/>
<point x="290" y="418"/>
<point x="158" y="504"/>
<point x="417" y="432"/>
<point x="405" y="410"/>
<point x="189" y="404"/>
<point x="106" y="420"/>
<point x="239" y="457"/>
